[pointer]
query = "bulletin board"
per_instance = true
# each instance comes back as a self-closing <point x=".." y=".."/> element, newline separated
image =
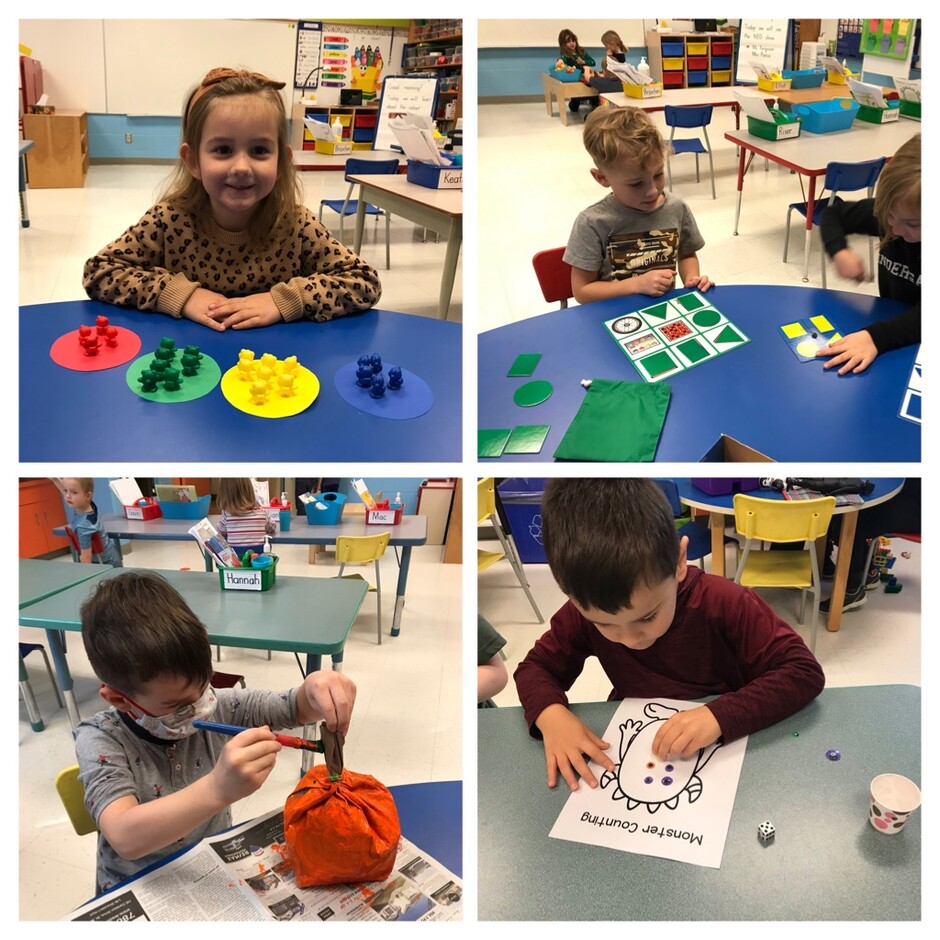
<point x="403" y="94"/>
<point x="892" y="39"/>
<point x="762" y="41"/>
<point x="307" y="62"/>
<point x="347" y="54"/>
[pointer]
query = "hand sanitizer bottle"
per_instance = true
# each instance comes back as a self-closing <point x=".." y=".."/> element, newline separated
<point x="337" y="127"/>
<point x="643" y="68"/>
<point x="396" y="502"/>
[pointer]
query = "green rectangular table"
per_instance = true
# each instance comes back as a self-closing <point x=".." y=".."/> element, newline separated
<point x="297" y="615"/>
<point x="826" y="862"/>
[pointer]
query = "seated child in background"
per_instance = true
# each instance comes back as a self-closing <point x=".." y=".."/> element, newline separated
<point x="230" y="243"/>
<point x="573" y="54"/>
<point x="243" y="523"/>
<point x="84" y="522"/>
<point x="658" y="626"/>
<point x="635" y="239"/>
<point x="605" y="80"/>
<point x="153" y="782"/>
<point x="894" y="215"/>
<point x="492" y="676"/>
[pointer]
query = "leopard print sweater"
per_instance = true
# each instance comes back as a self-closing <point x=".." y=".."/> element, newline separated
<point x="158" y="263"/>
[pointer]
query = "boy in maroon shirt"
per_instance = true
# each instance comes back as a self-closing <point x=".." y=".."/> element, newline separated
<point x="659" y="627"/>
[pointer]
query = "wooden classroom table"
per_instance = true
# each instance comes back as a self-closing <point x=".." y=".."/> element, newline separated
<point x="562" y="92"/>
<point x="718" y="507"/>
<point x="810" y="154"/>
<point x="411" y="531"/>
<point x="718" y="96"/>
<point x="824" y="92"/>
<point x="440" y="210"/>
<point x="826" y="863"/>
<point x="297" y="615"/>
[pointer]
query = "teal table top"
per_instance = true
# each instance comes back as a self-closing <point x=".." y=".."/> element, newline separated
<point x="303" y="615"/>
<point x="826" y="862"/>
<point x="41" y="579"/>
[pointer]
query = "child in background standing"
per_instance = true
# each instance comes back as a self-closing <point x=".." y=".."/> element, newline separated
<point x="95" y="545"/>
<point x="573" y="54"/>
<point x="243" y="523"/>
<point x="635" y="239"/>
<point x="894" y="215"/>
<point x="230" y="244"/>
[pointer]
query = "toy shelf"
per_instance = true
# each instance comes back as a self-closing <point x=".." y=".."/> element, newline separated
<point x="690" y="60"/>
<point x="359" y="123"/>
<point x="430" y="41"/>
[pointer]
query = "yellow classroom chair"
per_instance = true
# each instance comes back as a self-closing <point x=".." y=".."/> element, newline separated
<point x="72" y="794"/>
<point x="361" y="549"/>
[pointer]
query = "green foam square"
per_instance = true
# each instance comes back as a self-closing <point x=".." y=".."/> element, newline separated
<point x="527" y="439"/>
<point x="657" y="364"/>
<point x="693" y="350"/>
<point x="490" y="443"/>
<point x="524" y="365"/>
<point x="690" y="301"/>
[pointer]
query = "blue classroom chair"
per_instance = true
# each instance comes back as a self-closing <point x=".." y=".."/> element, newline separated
<point x="700" y="539"/>
<point x="349" y="206"/>
<point x="840" y="177"/>
<point x="688" y="116"/>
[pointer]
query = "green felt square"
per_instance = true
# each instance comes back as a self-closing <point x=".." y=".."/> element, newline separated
<point x="690" y="301"/>
<point x="660" y="311"/>
<point x="527" y="439"/>
<point x="525" y="364"/>
<point x="693" y="350"/>
<point x="490" y="443"/>
<point x="657" y="364"/>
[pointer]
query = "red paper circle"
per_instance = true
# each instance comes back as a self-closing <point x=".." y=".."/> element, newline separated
<point x="67" y="351"/>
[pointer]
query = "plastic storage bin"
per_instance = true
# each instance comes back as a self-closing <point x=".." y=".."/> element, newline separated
<point x="673" y="48"/>
<point x="673" y="65"/>
<point x="725" y="486"/>
<point x="197" y="509"/>
<point x="805" y="78"/>
<point x="721" y="78"/>
<point x="248" y="579"/>
<point x="699" y="62"/>
<point x="773" y="84"/>
<point x="785" y="126"/>
<point x="673" y="79"/>
<point x="722" y="62"/>
<point x="650" y="90"/>
<point x="721" y="47"/>
<point x="325" y="509"/>
<point x="891" y="112"/>
<point x="697" y="78"/>
<point x="697" y="48"/>
<point x="150" y="510"/>
<point x="823" y="117"/>
<point x="910" y="109"/>
<point x="521" y="498"/>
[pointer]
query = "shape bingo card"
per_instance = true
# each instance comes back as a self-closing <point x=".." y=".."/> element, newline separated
<point x="674" y="335"/>
<point x="806" y="337"/>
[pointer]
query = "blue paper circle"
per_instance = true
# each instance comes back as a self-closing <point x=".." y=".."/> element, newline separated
<point x="412" y="400"/>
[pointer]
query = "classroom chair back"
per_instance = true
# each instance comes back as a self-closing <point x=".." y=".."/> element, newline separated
<point x="97" y="544"/>
<point x="554" y="276"/>
<point x="72" y="794"/>
<point x="689" y="116"/>
<point x="361" y="549"/>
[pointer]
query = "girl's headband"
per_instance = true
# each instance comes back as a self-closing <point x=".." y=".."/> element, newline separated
<point x="220" y="75"/>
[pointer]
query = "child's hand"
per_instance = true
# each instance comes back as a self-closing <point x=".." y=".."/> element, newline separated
<point x="657" y="282"/>
<point x="244" y="764"/>
<point x="567" y="741"/>
<point x="857" y="351"/>
<point x="699" y="281"/>
<point x="196" y="307"/>
<point x="849" y="265"/>
<point x="329" y="696"/>
<point x="686" y="732"/>
<point x="243" y="313"/>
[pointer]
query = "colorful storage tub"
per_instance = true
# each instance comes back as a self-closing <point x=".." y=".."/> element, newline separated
<point x="195" y="509"/>
<point x="697" y="78"/>
<point x="885" y="115"/>
<point x="697" y="62"/>
<point x="722" y="48"/>
<point x="673" y="65"/>
<point x="910" y="109"/>
<point x="650" y="90"/>
<point x="805" y="78"/>
<point x="325" y="509"/>
<point x="673" y="79"/>
<point x="834" y="78"/>
<point x="785" y="126"/>
<point x="673" y="48"/>
<point x="723" y="62"/>
<point x="721" y="78"/>
<point x="697" y="48"/>
<point x="144" y="510"/>
<point x="773" y="84"/>
<point x="384" y="516"/>
<point x="563" y="75"/>
<point x="249" y="579"/>
<point x="823" y="117"/>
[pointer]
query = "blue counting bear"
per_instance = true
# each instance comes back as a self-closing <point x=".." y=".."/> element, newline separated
<point x="376" y="361"/>
<point x="394" y="378"/>
<point x="378" y="386"/>
<point x="364" y="374"/>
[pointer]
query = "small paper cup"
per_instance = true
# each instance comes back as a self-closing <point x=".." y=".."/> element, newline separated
<point x="893" y="800"/>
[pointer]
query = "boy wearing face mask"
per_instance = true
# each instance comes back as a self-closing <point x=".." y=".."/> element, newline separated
<point x="153" y="782"/>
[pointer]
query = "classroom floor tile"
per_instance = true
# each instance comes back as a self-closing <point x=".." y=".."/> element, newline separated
<point x="407" y="726"/>
<point x="67" y="226"/>
<point x="520" y="220"/>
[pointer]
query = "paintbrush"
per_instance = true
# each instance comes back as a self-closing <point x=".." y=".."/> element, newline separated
<point x="288" y="740"/>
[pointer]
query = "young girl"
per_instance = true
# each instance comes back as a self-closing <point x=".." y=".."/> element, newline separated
<point x="243" y="523"/>
<point x="605" y="80"/>
<point x="573" y="54"/>
<point x="894" y="214"/>
<point x="230" y="244"/>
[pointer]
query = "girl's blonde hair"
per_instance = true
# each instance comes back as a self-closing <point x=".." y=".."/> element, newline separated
<point x="898" y="184"/>
<point x="185" y="192"/>
<point x="564" y="37"/>
<point x="236" y="496"/>
<point x="611" y="38"/>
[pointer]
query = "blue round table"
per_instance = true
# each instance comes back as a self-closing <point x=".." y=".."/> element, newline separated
<point x="759" y="393"/>
<point x="92" y="416"/>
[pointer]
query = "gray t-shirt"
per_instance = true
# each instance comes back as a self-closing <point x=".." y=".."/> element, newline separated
<point x="619" y="242"/>
<point x="117" y="758"/>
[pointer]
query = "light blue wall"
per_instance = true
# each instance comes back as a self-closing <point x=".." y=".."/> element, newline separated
<point x="504" y="72"/>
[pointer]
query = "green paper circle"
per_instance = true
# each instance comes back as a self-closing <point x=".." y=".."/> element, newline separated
<point x="532" y="393"/>
<point x="191" y="387"/>
<point x="706" y="318"/>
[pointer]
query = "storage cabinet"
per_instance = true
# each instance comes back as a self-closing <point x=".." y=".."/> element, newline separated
<point x="690" y="60"/>
<point x="359" y="123"/>
<point x="59" y="157"/>
<point x="436" y="46"/>
<point x="41" y="510"/>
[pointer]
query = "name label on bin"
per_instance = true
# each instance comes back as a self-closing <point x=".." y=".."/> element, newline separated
<point x="242" y="579"/>
<point x="785" y="131"/>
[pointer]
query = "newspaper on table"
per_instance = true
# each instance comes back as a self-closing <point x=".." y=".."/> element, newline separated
<point x="628" y="73"/>
<point x="866" y="94"/>
<point x="245" y="874"/>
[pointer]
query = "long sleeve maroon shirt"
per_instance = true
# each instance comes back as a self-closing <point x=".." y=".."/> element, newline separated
<point x="723" y="640"/>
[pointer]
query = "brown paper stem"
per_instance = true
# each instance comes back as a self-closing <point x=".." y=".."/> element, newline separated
<point x="332" y="751"/>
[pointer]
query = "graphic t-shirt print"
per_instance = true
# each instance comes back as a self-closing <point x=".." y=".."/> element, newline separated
<point x="634" y="253"/>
